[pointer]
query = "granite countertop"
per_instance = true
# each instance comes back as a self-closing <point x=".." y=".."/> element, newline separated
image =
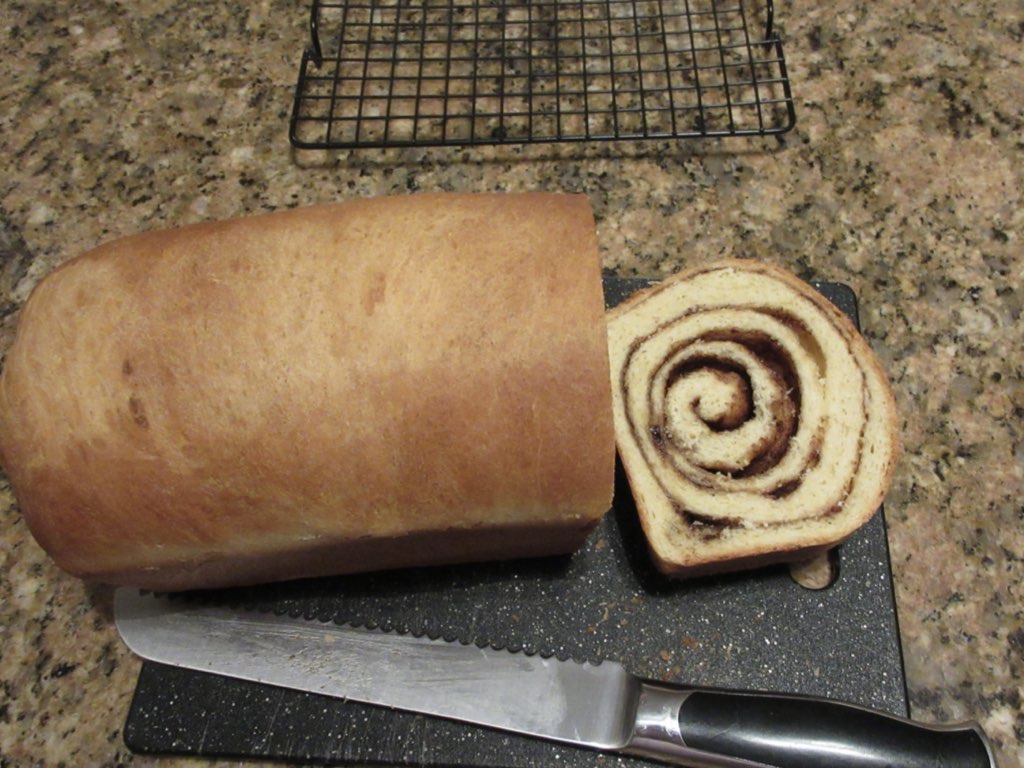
<point x="903" y="178"/>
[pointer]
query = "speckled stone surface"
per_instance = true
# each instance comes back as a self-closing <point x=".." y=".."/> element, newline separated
<point x="903" y="178"/>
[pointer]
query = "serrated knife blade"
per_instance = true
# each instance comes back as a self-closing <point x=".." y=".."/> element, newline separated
<point x="598" y="706"/>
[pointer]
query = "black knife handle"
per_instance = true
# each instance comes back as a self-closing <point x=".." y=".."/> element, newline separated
<point x="803" y="732"/>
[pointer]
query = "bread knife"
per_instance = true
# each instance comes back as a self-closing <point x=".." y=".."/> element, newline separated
<point x="597" y="706"/>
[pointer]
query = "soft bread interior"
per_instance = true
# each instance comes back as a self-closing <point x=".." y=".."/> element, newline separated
<point x="752" y="419"/>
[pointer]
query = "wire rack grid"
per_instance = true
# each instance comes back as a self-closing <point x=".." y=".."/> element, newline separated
<point x="382" y="73"/>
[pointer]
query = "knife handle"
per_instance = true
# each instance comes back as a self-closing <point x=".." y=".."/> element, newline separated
<point x="727" y="729"/>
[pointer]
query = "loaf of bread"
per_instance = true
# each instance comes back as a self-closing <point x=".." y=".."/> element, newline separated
<point x="753" y="421"/>
<point x="369" y="385"/>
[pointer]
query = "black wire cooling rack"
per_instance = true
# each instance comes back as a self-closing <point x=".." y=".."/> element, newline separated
<point x="382" y="73"/>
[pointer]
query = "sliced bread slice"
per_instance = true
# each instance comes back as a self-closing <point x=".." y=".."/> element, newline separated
<point x="754" y="422"/>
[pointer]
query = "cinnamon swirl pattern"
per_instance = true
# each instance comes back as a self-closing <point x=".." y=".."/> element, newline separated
<point x="754" y="422"/>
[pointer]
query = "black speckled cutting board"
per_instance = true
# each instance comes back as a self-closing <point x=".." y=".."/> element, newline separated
<point x="757" y="630"/>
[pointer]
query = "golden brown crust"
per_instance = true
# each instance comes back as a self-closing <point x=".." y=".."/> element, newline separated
<point x="753" y="421"/>
<point x="251" y="390"/>
<point x="443" y="547"/>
